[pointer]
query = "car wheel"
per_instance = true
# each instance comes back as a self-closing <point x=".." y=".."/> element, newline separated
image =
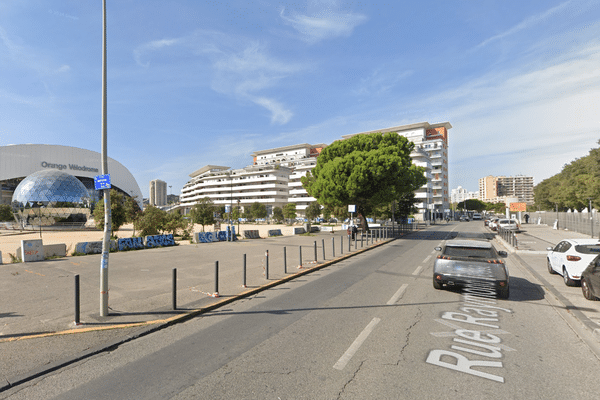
<point x="437" y="285"/>
<point x="568" y="281"/>
<point x="551" y="271"/>
<point x="504" y="293"/>
<point x="586" y="290"/>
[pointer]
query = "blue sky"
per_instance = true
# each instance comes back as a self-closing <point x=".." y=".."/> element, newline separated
<point x="192" y="83"/>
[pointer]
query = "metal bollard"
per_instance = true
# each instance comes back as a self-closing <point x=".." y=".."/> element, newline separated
<point x="333" y="247"/>
<point x="342" y="244"/>
<point x="284" y="261"/>
<point x="267" y="264"/>
<point x="362" y="239"/>
<point x="315" y="251"/>
<point x="323" y="244"/>
<point x="244" y="271"/>
<point x="174" y="286"/>
<point x="300" y="250"/>
<point x="77" y="313"/>
<point x="355" y="242"/>
<point x="216" y="293"/>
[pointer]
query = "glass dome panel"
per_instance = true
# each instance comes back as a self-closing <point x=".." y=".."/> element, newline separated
<point x="51" y="197"/>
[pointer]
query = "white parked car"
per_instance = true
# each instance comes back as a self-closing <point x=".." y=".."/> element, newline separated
<point x="570" y="257"/>
<point x="510" y="224"/>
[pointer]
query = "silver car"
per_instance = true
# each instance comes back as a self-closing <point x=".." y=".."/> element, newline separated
<point x="466" y="262"/>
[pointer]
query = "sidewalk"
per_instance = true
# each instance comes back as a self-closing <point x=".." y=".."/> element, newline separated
<point x="37" y="330"/>
<point x="532" y="244"/>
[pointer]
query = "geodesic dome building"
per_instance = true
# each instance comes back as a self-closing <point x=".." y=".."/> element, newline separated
<point x="51" y="198"/>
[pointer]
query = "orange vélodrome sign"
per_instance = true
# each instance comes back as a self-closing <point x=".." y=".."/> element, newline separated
<point x="518" y="207"/>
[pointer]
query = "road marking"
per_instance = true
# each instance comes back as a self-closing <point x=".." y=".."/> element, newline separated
<point x="397" y="295"/>
<point x="341" y="363"/>
<point x="427" y="259"/>
<point x="418" y="270"/>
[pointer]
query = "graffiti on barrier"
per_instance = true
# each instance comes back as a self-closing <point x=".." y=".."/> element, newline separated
<point x="132" y="243"/>
<point x="160" y="240"/>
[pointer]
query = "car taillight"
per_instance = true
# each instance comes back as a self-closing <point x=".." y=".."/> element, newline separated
<point x="573" y="258"/>
<point x="495" y="261"/>
<point x="443" y="257"/>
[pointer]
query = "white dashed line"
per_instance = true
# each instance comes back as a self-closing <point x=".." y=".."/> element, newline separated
<point x="418" y="270"/>
<point x="341" y="363"/>
<point x="397" y="295"/>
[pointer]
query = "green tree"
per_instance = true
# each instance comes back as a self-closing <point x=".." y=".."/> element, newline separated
<point x="289" y="211"/>
<point x="118" y="215"/>
<point x="473" y="205"/>
<point x="278" y="214"/>
<point x="203" y="212"/>
<point x="6" y="213"/>
<point x="174" y="222"/>
<point x="313" y="210"/>
<point x="366" y="170"/>
<point x="573" y="187"/>
<point x="151" y="221"/>
<point x="257" y="210"/>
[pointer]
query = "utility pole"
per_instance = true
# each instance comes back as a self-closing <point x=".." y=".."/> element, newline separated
<point x="106" y="192"/>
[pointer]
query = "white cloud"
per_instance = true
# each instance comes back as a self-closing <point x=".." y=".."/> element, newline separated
<point x="240" y="68"/>
<point x="526" y="24"/>
<point x="323" y="25"/>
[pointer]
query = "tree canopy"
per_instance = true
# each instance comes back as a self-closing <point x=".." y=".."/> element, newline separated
<point x="573" y="187"/>
<point x="6" y="213"/>
<point x="203" y="212"/>
<point x="367" y="170"/>
<point x="118" y="212"/>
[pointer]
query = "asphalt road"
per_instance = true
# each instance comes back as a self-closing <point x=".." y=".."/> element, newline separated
<point x="368" y="327"/>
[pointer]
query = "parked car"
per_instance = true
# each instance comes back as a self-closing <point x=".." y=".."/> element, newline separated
<point x="463" y="261"/>
<point x="510" y="224"/>
<point x="570" y="257"/>
<point x="493" y="224"/>
<point x="590" y="280"/>
<point x="476" y="216"/>
<point x="464" y="218"/>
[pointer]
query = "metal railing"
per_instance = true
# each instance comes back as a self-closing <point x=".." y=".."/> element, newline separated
<point x="509" y="237"/>
<point x="586" y="223"/>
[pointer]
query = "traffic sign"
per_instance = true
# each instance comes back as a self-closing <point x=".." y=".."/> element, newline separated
<point x="102" y="182"/>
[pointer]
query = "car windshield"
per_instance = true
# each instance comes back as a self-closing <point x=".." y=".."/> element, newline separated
<point x="588" y="248"/>
<point x="474" y="252"/>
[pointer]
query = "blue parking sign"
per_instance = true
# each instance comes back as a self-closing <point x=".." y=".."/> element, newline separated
<point x="102" y="182"/>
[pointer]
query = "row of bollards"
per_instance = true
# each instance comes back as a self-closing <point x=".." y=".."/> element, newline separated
<point x="372" y="236"/>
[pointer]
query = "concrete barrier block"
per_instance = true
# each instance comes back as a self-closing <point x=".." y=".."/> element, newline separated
<point x="132" y="243"/>
<point x="52" y="250"/>
<point x="32" y="250"/>
<point x="159" y="241"/>
<point x="275" y="232"/>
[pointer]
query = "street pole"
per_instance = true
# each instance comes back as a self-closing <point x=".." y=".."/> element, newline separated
<point x="591" y="219"/>
<point x="106" y="192"/>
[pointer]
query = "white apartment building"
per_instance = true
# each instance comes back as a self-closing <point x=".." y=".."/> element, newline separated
<point x="265" y="184"/>
<point x="430" y="152"/>
<point x="158" y="193"/>
<point x="300" y="158"/>
<point x="461" y="194"/>
<point x="274" y="177"/>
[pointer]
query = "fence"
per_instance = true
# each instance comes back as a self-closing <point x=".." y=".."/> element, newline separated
<point x="586" y="223"/>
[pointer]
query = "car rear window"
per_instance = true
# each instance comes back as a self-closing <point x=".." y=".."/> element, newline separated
<point x="474" y="252"/>
<point x="588" y="248"/>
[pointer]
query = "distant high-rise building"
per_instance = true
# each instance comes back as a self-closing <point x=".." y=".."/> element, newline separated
<point x="461" y="194"/>
<point x="496" y="189"/>
<point x="158" y="193"/>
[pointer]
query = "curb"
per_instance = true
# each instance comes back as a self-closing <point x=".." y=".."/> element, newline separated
<point x="149" y="327"/>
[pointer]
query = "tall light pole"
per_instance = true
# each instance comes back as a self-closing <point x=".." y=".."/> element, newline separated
<point x="171" y="189"/>
<point x="106" y="192"/>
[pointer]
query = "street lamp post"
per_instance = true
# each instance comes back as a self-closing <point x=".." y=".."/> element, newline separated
<point x="106" y="192"/>
<point x="238" y="201"/>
